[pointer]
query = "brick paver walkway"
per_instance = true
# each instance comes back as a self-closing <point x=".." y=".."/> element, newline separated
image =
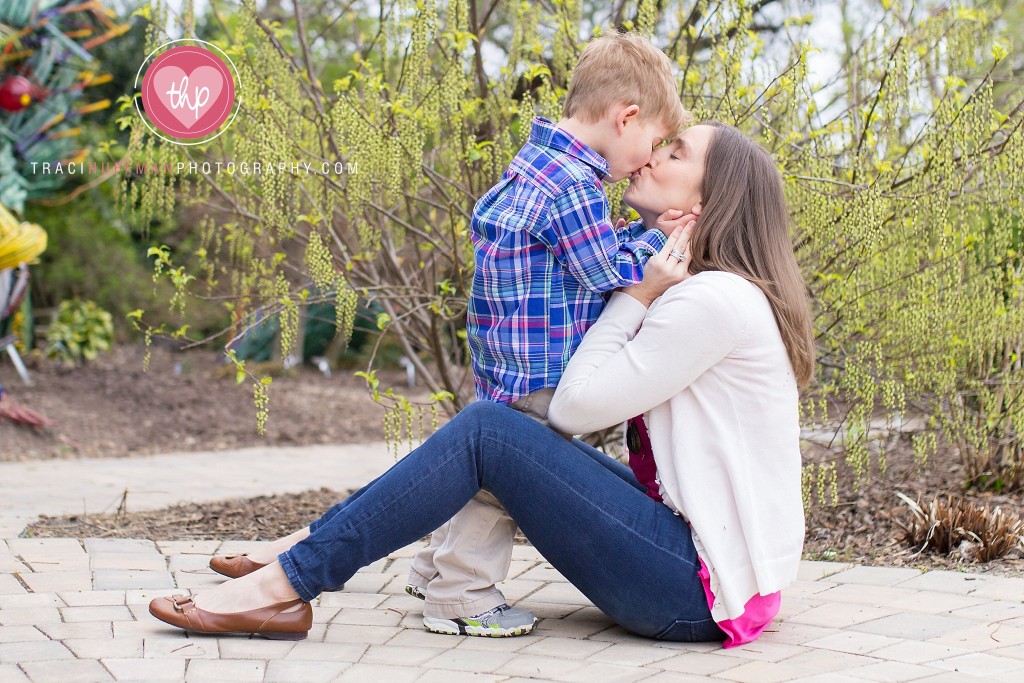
<point x="75" y="610"/>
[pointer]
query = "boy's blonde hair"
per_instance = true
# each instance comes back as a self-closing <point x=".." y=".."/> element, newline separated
<point x="625" y="68"/>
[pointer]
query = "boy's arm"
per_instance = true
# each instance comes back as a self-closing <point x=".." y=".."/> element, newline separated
<point x="589" y="246"/>
<point x="633" y="231"/>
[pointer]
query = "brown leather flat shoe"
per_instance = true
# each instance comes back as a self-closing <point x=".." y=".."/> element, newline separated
<point x="271" y="622"/>
<point x="234" y="566"/>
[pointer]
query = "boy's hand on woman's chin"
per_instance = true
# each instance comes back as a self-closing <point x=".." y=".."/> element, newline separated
<point x="676" y="218"/>
<point x="670" y="220"/>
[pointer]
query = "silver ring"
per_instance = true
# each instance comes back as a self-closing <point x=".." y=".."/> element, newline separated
<point x="681" y="255"/>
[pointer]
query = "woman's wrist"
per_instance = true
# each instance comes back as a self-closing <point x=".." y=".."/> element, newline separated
<point x="641" y="295"/>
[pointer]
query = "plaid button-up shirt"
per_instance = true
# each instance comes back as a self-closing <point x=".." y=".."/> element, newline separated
<point x="546" y="252"/>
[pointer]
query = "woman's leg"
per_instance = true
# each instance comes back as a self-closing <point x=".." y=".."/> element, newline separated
<point x="268" y="552"/>
<point x="611" y="464"/>
<point x="630" y="555"/>
<point x="423" y="562"/>
<point x="423" y="569"/>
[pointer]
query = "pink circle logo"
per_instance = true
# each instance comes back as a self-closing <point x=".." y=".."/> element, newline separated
<point x="188" y="92"/>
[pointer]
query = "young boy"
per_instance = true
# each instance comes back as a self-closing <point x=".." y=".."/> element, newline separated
<point x="546" y="253"/>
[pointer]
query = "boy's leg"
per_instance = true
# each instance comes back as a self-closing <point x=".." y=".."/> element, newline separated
<point x="476" y="550"/>
<point x="474" y="556"/>
<point x="422" y="570"/>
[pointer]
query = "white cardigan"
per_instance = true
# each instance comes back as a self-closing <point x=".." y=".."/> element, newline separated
<point x="710" y="372"/>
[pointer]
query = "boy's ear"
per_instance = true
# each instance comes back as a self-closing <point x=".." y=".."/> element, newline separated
<point x="626" y="115"/>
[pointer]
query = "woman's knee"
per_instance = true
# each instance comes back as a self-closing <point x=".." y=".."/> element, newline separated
<point x="481" y="426"/>
<point x="488" y="418"/>
<point x="481" y="410"/>
<point x="479" y="413"/>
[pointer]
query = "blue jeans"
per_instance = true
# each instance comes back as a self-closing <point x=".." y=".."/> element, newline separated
<point x="585" y="513"/>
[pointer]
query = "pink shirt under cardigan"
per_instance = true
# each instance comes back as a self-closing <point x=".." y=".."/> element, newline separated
<point x="758" y="613"/>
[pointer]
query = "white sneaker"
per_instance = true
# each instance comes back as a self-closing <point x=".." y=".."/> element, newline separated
<point x="501" y="622"/>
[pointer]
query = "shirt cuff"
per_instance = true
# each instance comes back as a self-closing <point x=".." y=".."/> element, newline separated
<point x="634" y="229"/>
<point x="651" y="241"/>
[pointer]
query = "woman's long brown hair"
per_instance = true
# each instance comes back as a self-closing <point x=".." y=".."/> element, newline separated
<point x="744" y="229"/>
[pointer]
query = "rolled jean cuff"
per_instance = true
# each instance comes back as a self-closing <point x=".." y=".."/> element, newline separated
<point x="292" y="572"/>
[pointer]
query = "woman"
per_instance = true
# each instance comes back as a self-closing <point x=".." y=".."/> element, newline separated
<point x="710" y="349"/>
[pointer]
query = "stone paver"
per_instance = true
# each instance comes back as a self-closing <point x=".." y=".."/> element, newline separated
<point x="66" y="671"/>
<point x="76" y="610"/>
<point x="97" y="486"/>
<point x="145" y="669"/>
<point x="288" y="671"/>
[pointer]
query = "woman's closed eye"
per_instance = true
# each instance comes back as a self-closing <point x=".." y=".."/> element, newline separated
<point x="678" y="149"/>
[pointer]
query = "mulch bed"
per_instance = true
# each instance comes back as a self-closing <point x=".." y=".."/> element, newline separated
<point x="263" y="518"/>
<point x="863" y="528"/>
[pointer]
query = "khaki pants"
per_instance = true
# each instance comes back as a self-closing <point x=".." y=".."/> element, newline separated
<point x="472" y="551"/>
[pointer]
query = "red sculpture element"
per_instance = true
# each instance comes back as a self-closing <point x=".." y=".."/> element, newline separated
<point x="17" y="92"/>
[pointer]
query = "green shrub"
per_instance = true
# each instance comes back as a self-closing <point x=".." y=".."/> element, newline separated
<point x="81" y="331"/>
<point x="94" y="255"/>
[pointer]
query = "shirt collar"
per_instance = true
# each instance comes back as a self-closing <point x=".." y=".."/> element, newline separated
<point x="544" y="132"/>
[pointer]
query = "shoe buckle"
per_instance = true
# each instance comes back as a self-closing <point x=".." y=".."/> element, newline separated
<point x="184" y="601"/>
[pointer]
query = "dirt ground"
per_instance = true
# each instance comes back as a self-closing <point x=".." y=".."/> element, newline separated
<point x="111" y="408"/>
<point x="185" y="402"/>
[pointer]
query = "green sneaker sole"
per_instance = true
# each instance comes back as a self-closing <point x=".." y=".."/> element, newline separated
<point x="460" y="627"/>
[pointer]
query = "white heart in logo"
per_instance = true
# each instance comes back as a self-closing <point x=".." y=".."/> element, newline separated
<point x="188" y="96"/>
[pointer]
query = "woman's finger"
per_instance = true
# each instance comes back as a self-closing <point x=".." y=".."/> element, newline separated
<point x="682" y="244"/>
<point x="671" y="242"/>
<point x="673" y="245"/>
